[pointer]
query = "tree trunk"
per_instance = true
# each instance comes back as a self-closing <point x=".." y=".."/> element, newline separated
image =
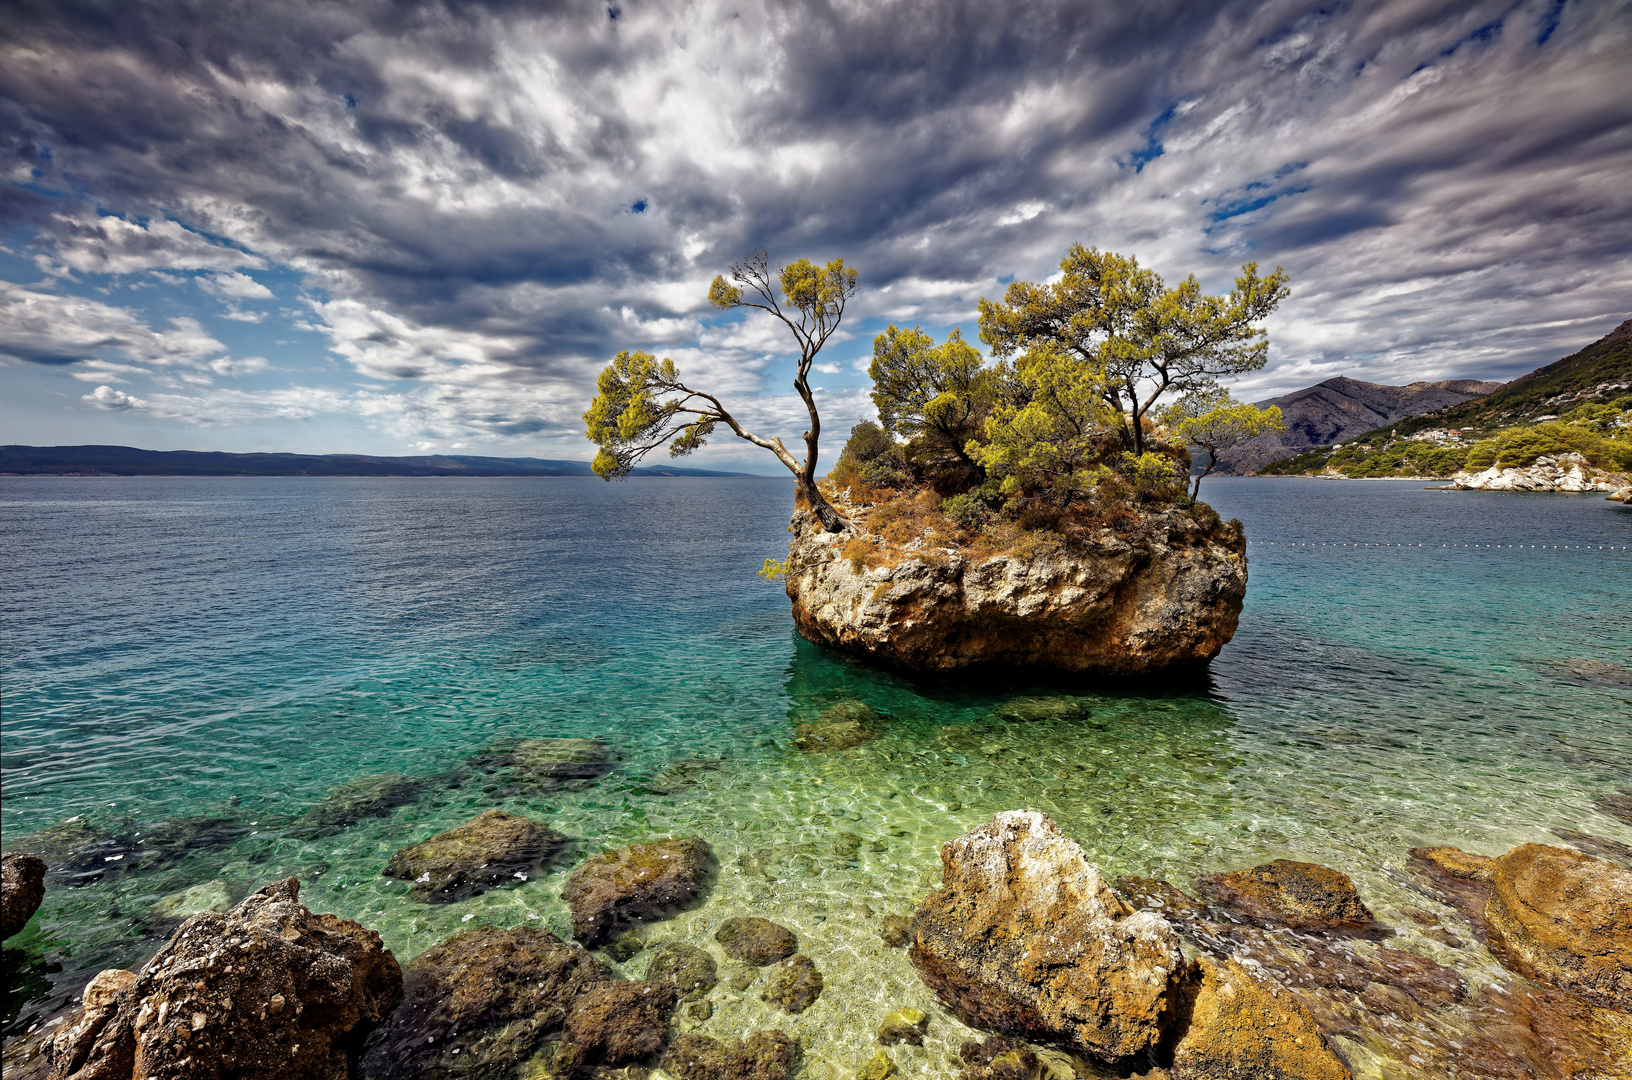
<point x="829" y="517"/>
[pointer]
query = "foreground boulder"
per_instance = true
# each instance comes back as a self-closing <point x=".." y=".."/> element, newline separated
<point x="612" y="891"/>
<point x="1300" y="895"/>
<point x="1237" y="1026"/>
<point x="22" y="887"/>
<point x="266" y="990"/>
<point x="1024" y="937"/>
<point x="491" y="849"/>
<point x="1167" y="596"/>
<point x="481" y="1002"/>
<point x="1564" y="918"/>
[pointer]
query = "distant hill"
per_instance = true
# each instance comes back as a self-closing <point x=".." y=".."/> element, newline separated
<point x="1340" y="408"/>
<point x="129" y="461"/>
<point x="1438" y="443"/>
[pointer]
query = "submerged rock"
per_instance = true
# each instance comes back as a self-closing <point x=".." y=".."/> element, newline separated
<point x="365" y="797"/>
<point x="794" y="985"/>
<point x="1300" y="895"/>
<point x="538" y="766"/>
<point x="1239" y="1027"/>
<point x="1456" y="862"/>
<point x="877" y="1067"/>
<point x="690" y="970"/>
<point x="494" y="848"/>
<point x="1617" y="804"/>
<point x="1564" y="918"/>
<point x="1166" y="598"/>
<point x="904" y="1025"/>
<point x="996" y="1058"/>
<point x="764" y="1055"/>
<point x="22" y="887"/>
<point x="167" y="913"/>
<point x="615" y="1023"/>
<point x="896" y="931"/>
<point x="1031" y="710"/>
<point x="1025" y="938"/>
<point x="756" y="941"/>
<point x="481" y="1003"/>
<point x="616" y="889"/>
<point x="820" y="737"/>
<point x="267" y="989"/>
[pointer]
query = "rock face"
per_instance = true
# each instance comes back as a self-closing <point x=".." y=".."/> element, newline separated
<point x="481" y="1002"/>
<point x="1119" y="608"/>
<point x="22" y="887"/>
<point x="491" y="849"/>
<point x="1553" y="472"/>
<point x="616" y="889"/>
<point x="267" y="989"/>
<point x="1239" y="1027"/>
<point x="1024" y="937"/>
<point x="1300" y="895"/>
<point x="1564" y="918"/>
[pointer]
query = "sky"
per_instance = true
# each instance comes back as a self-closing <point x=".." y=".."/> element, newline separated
<point x="403" y="227"/>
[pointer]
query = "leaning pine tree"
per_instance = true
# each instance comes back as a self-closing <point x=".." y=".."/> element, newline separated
<point x="641" y="403"/>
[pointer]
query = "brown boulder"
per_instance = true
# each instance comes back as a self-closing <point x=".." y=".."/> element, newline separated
<point x="615" y="1023"/>
<point x="690" y="970"/>
<point x="1024" y="937"/>
<point x="1300" y="895"/>
<point x="1564" y="918"/>
<point x="22" y="887"/>
<point x="267" y="989"/>
<point x="764" y="1055"/>
<point x="996" y="1058"/>
<point x="616" y="889"/>
<point x="482" y="1000"/>
<point x="1239" y="1027"/>
<point x="491" y="849"/>
<point x="1456" y="862"/>
<point x="756" y="941"/>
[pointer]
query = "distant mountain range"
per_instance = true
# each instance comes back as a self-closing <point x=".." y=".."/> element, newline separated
<point x="129" y="461"/>
<point x="1337" y="409"/>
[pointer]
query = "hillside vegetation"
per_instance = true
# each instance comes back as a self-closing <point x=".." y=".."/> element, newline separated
<point x="1582" y="403"/>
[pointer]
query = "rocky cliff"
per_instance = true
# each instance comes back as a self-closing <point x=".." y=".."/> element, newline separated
<point x="1561" y="472"/>
<point x="1165" y="595"/>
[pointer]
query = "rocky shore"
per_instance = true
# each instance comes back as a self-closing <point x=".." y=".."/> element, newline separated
<point x="1561" y="472"/>
<point x="1162" y="595"/>
<point x="1278" y="971"/>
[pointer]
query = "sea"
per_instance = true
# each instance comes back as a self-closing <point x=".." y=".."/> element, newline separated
<point x="201" y="661"/>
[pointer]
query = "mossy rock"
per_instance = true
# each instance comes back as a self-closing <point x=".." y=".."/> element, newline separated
<point x="823" y="736"/>
<point x="375" y="795"/>
<point x="756" y="941"/>
<point x="539" y="766"/>
<point x="878" y="1067"/>
<point x="904" y="1025"/>
<point x="689" y="969"/>
<point x="492" y="849"/>
<point x="794" y="985"/>
<point x="764" y="1055"/>
<point x="617" y="889"/>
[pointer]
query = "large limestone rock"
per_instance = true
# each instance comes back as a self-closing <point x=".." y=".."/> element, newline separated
<point x="22" y="887"/>
<point x="1119" y="607"/>
<point x="1242" y="1027"/>
<point x="493" y="848"/>
<point x="267" y="990"/>
<point x="1024" y="937"/>
<point x="1550" y="472"/>
<point x="617" y="889"/>
<point x="1566" y="919"/>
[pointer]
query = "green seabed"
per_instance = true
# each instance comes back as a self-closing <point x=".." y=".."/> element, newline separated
<point x="1370" y="703"/>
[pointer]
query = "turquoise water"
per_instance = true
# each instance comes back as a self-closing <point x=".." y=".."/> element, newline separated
<point x="1412" y="667"/>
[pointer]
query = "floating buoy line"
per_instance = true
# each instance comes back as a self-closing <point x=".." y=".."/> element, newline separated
<point x="1429" y="544"/>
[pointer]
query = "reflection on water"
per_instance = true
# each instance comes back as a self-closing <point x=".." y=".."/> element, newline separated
<point x="189" y="717"/>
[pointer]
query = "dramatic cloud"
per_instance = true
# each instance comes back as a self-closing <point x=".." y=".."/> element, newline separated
<point x="481" y="202"/>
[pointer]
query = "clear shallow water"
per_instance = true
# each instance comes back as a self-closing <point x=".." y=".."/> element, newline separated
<point x="235" y="649"/>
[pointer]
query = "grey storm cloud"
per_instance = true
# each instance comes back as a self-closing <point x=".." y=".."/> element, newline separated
<point x="504" y="194"/>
